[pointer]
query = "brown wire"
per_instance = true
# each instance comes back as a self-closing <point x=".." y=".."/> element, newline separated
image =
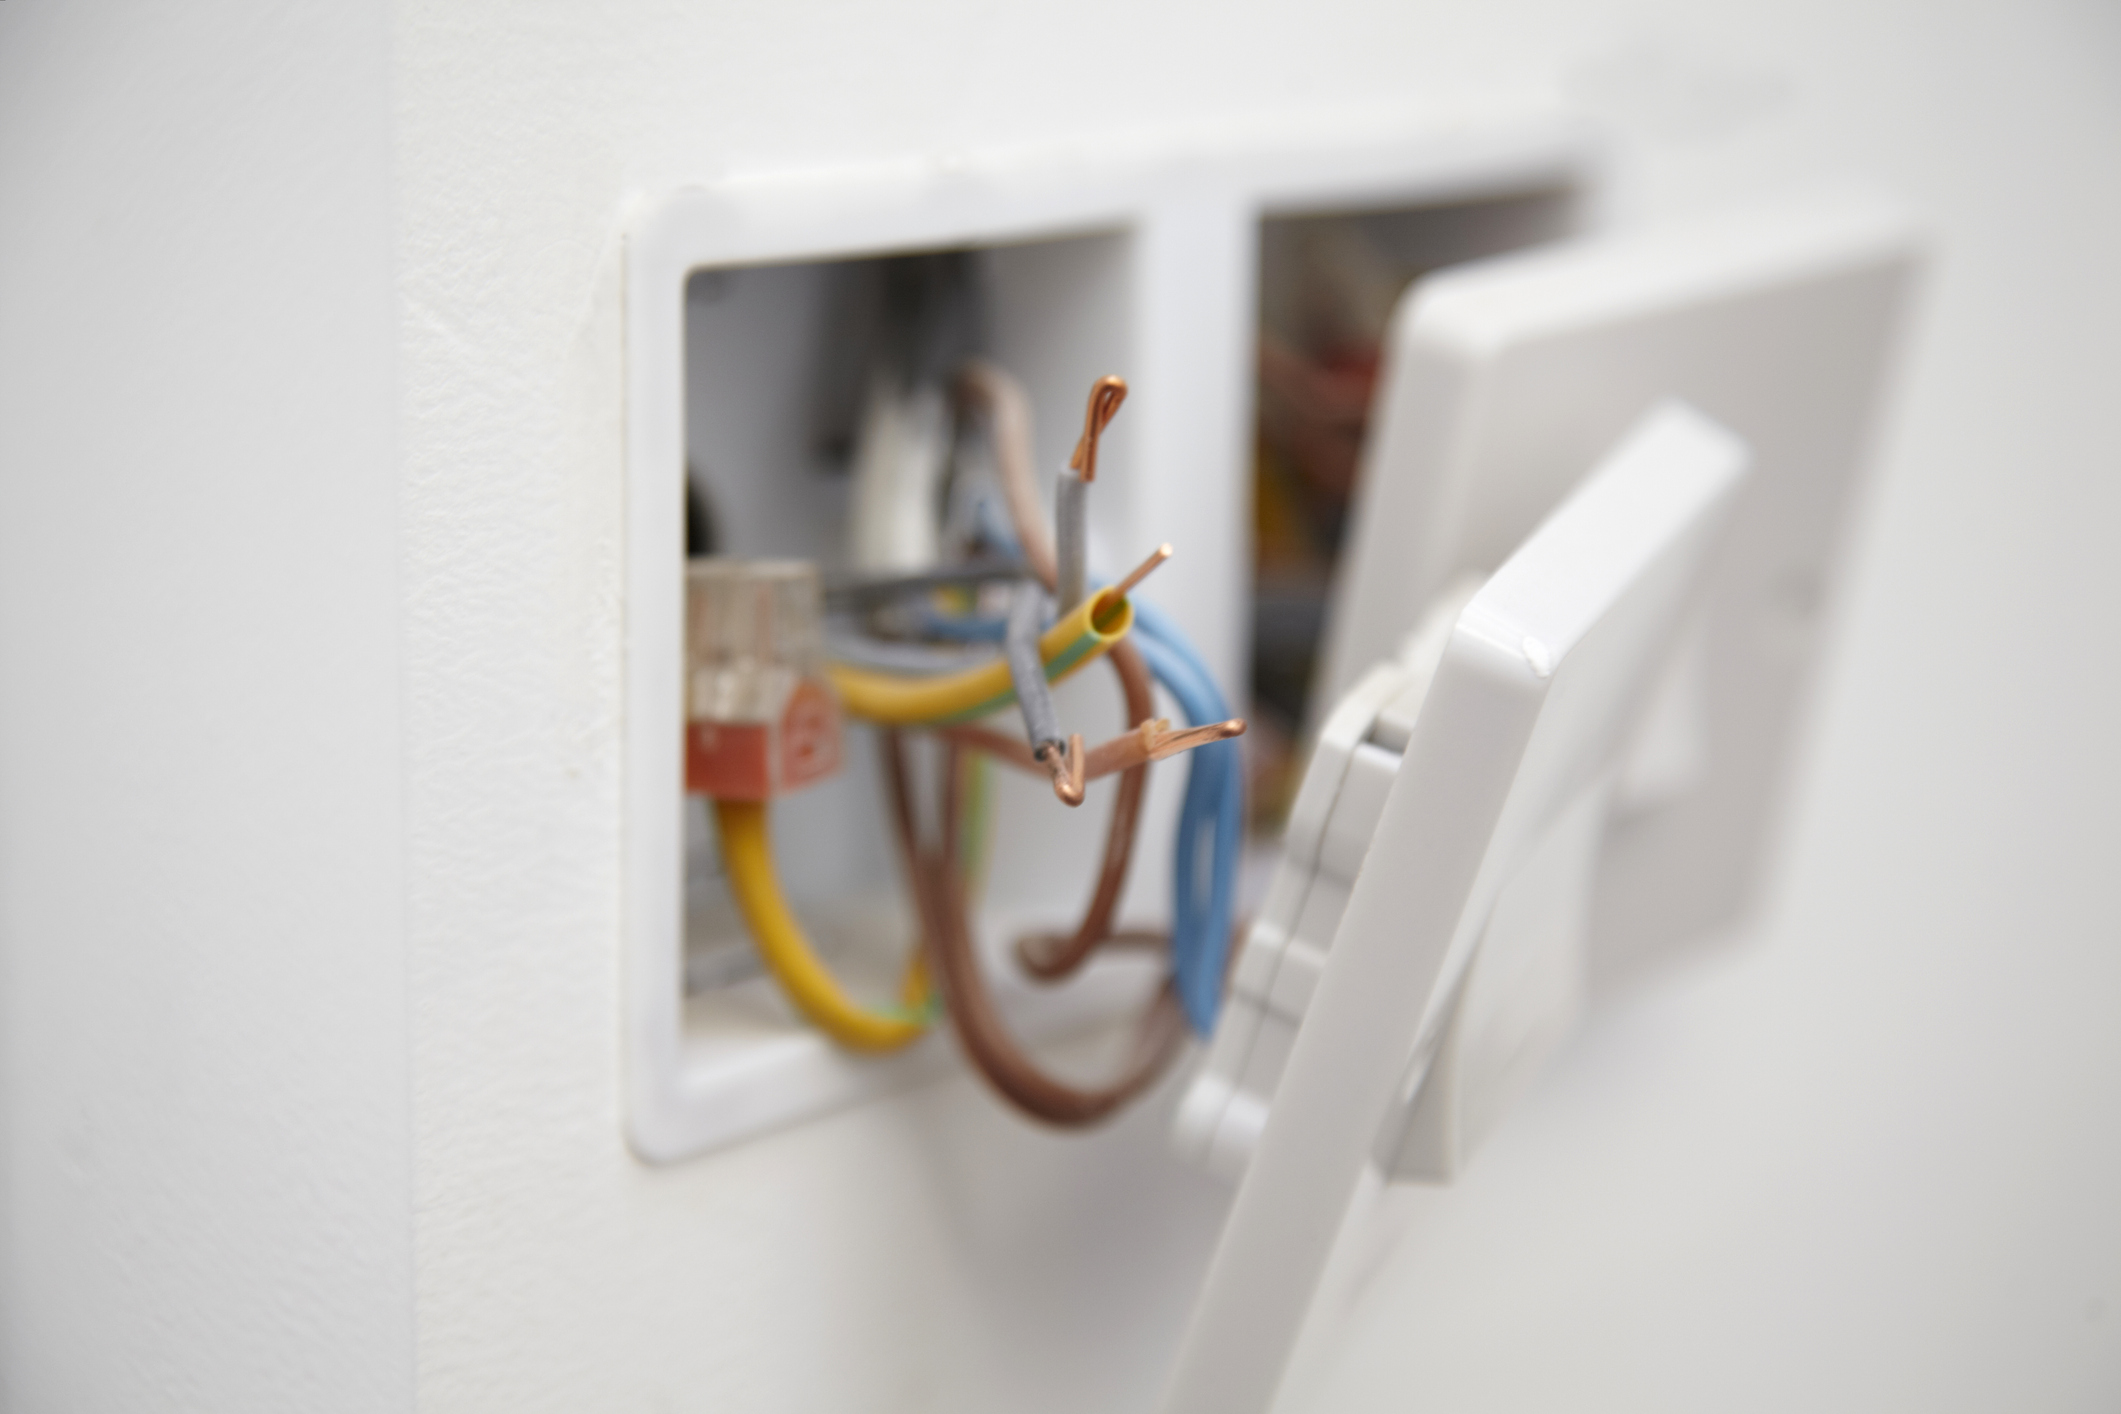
<point x="939" y="896"/>
<point x="1008" y="408"/>
<point x="1155" y="741"/>
<point x="1051" y="956"/>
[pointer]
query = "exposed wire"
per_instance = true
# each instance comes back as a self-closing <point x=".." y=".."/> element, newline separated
<point x="1092" y="624"/>
<point x="1067" y="769"/>
<point x="1062" y="756"/>
<point x="747" y="855"/>
<point x="1106" y="394"/>
<point x="1156" y="740"/>
<point x="1143" y="570"/>
<point x="1211" y="818"/>
<point x="1050" y="956"/>
<point x="1210" y="838"/>
<point x="1071" y="492"/>
<point x="1081" y="635"/>
<point x="939" y="892"/>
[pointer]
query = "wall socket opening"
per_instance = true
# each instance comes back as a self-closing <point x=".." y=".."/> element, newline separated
<point x="776" y="367"/>
<point x="1327" y="285"/>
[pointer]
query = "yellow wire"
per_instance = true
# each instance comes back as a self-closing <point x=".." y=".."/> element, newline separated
<point x="747" y="855"/>
<point x="1086" y="631"/>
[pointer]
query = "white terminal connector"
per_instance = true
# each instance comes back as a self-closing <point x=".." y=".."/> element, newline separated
<point x="760" y="716"/>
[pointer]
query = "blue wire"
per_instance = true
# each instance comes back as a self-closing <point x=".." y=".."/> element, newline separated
<point x="962" y="628"/>
<point x="1205" y="888"/>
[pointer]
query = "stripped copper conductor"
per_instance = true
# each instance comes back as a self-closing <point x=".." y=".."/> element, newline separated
<point x="1106" y="394"/>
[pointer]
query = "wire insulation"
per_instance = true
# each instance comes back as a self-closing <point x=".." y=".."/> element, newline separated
<point x="1210" y="841"/>
<point x="1052" y="956"/>
<point x="1080" y="635"/>
<point x="939" y="891"/>
<point x="1210" y="825"/>
<point x="1211" y="818"/>
<point x="747" y="854"/>
<point x="1033" y="696"/>
<point x="1071" y="496"/>
<point x="1008" y="409"/>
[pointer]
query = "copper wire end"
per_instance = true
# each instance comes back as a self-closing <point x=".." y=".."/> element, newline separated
<point x="1071" y="770"/>
<point x="1106" y="394"/>
<point x="1141" y="571"/>
<point x="1155" y="741"/>
<point x="1165" y="743"/>
<point x="1068" y="769"/>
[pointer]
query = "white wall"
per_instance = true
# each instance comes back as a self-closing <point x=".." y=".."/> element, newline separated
<point x="206" y="1110"/>
<point x="1868" y="1161"/>
<point x="1864" y="1161"/>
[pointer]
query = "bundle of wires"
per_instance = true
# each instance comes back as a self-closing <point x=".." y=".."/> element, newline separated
<point x="1210" y="834"/>
<point x="935" y="865"/>
<point x="1096" y="627"/>
<point x="917" y="662"/>
<point x="1210" y="838"/>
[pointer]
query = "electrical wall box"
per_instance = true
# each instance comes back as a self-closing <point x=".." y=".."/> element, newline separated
<point x="735" y="305"/>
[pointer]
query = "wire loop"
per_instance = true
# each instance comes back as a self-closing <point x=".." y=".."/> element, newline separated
<point x="1106" y="394"/>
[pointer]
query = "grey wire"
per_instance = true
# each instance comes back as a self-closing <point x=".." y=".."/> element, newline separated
<point x="852" y="593"/>
<point x="1070" y="503"/>
<point x="912" y="659"/>
<point x="1028" y="673"/>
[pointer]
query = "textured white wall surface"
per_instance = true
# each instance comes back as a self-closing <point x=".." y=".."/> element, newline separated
<point x="205" y="1103"/>
<point x="310" y="488"/>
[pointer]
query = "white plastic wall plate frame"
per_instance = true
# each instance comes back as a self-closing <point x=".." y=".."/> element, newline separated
<point x="1505" y="378"/>
<point x="1523" y="991"/>
<point x="1191" y="219"/>
<point x="1528" y="709"/>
